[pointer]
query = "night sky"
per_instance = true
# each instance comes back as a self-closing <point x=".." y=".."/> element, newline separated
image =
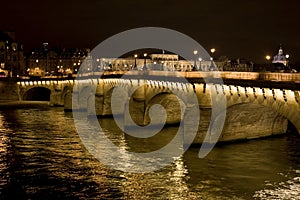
<point x="236" y="28"/>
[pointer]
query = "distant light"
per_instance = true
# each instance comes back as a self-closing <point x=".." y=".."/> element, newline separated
<point x="211" y="58"/>
<point x="154" y="63"/>
<point x="36" y="60"/>
<point x="98" y="60"/>
<point x="135" y="55"/>
<point x="287" y="56"/>
<point x="213" y="50"/>
<point x="195" y="52"/>
<point x="145" y="54"/>
<point x="268" y="57"/>
<point x="200" y="59"/>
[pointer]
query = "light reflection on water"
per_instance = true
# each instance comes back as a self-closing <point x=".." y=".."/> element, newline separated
<point x="43" y="157"/>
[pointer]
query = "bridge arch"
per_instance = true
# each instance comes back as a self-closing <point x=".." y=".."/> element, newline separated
<point x="174" y="108"/>
<point x="251" y="120"/>
<point x="37" y="94"/>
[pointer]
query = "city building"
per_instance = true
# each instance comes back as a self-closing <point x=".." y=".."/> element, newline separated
<point x="280" y="62"/>
<point x="162" y="62"/>
<point x="12" y="61"/>
<point x="47" y="61"/>
<point x="281" y="57"/>
<point x="239" y="64"/>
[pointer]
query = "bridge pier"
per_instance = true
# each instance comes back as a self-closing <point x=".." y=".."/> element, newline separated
<point x="96" y="102"/>
<point x="68" y="101"/>
<point x="135" y="107"/>
<point x="55" y="99"/>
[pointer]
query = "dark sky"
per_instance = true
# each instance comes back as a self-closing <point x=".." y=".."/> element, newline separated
<point x="236" y="28"/>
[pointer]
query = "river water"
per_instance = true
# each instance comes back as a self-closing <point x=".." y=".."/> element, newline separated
<point x="42" y="157"/>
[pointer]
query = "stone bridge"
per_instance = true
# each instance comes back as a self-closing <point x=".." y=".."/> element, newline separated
<point x="256" y="105"/>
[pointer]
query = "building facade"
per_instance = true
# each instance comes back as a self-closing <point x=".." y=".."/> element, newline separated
<point x="12" y="61"/>
<point x="47" y="61"/>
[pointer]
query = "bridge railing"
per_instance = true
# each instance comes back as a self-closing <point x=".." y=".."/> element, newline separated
<point x="284" y="77"/>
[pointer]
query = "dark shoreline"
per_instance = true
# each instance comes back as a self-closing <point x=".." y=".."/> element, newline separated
<point x="7" y="104"/>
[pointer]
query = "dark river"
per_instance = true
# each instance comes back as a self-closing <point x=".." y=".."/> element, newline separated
<point x="42" y="157"/>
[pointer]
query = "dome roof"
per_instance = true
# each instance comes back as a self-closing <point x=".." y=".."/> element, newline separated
<point x="280" y="57"/>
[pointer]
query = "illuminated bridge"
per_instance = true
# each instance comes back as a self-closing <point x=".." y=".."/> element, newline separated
<point x="261" y="103"/>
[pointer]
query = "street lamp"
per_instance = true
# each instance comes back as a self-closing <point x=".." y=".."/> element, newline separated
<point x="287" y="56"/>
<point x="145" y="67"/>
<point x="268" y="59"/>
<point x="98" y="64"/>
<point x="200" y="60"/>
<point x="195" y="64"/>
<point x="74" y="67"/>
<point x="58" y="71"/>
<point x="212" y="66"/>
<point x="135" y="57"/>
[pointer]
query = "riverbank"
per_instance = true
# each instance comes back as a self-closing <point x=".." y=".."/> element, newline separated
<point x="23" y="104"/>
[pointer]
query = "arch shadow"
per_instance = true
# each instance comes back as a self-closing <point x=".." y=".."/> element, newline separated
<point x="37" y="94"/>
